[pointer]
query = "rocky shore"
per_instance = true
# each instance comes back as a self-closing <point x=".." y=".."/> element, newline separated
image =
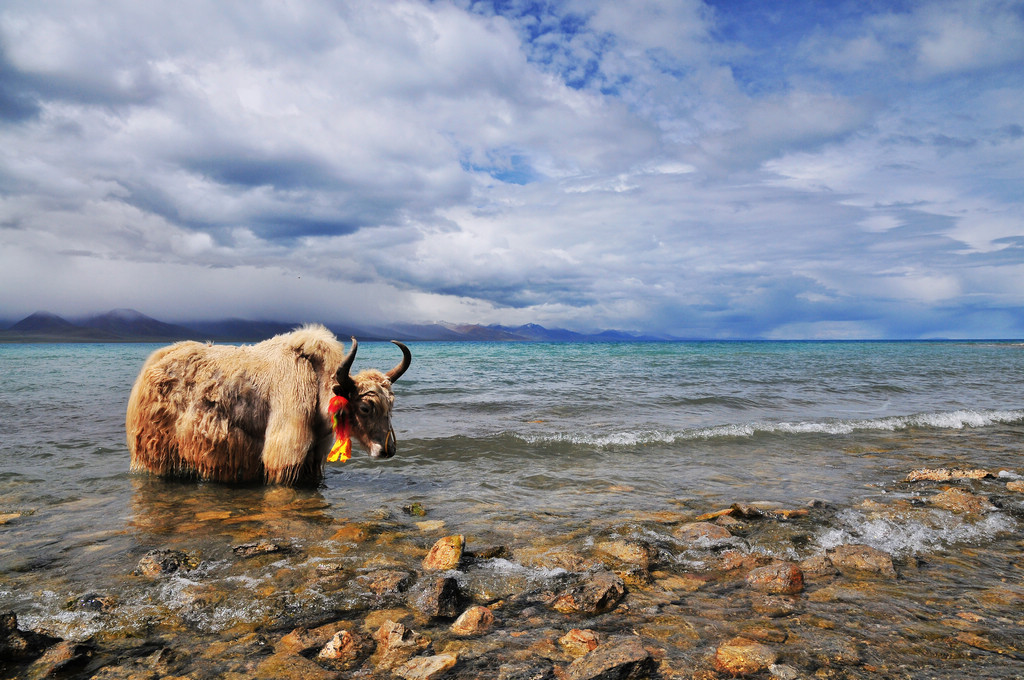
<point x="749" y="590"/>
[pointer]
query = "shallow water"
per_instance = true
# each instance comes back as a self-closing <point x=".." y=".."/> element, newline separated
<point x="535" y="447"/>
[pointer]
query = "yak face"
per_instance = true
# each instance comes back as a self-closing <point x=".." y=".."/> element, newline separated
<point x="369" y="402"/>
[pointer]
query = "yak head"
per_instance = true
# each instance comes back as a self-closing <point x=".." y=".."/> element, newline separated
<point x="370" y="400"/>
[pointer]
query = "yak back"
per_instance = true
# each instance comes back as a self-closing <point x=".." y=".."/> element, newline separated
<point x="202" y="410"/>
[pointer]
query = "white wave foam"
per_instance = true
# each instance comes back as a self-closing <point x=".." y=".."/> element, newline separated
<point x="950" y="420"/>
<point x="920" y="532"/>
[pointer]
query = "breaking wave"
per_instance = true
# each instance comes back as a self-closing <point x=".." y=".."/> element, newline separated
<point x="950" y="420"/>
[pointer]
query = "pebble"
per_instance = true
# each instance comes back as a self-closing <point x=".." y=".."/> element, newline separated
<point x="578" y="642"/>
<point x="945" y="474"/>
<point x="438" y="597"/>
<point x="960" y="501"/>
<point x="622" y="658"/>
<point x="445" y="554"/>
<point x="704" y="533"/>
<point x="426" y="667"/>
<point x="862" y="558"/>
<point x="598" y="593"/>
<point x="474" y="621"/>
<point x="780" y="578"/>
<point x="396" y="644"/>
<point x="157" y="562"/>
<point x="740" y="656"/>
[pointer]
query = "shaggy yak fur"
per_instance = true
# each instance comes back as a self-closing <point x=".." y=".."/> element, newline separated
<point x="255" y="413"/>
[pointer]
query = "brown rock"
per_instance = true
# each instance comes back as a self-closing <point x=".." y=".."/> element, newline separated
<point x="578" y="642"/>
<point x="258" y="548"/>
<point x="8" y="517"/>
<point x="713" y="515"/>
<point x="438" y="597"/>
<point x="473" y="621"/>
<point x="344" y="650"/>
<point x="945" y="474"/>
<point x="61" y="659"/>
<point x="445" y="554"/>
<point x="600" y="592"/>
<point x="960" y="501"/>
<point x="629" y="552"/>
<point x="396" y="644"/>
<point x="283" y="666"/>
<point x="622" y="658"/>
<point x="861" y="558"/>
<point x="705" y="534"/>
<point x="1016" y="485"/>
<point x="157" y="562"/>
<point x="740" y="656"/>
<point x="780" y="578"/>
<point x="426" y="667"/>
<point x="389" y="581"/>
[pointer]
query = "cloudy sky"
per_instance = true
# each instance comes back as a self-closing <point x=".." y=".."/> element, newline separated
<point x="742" y="168"/>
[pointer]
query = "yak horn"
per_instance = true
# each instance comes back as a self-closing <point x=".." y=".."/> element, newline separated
<point x="343" y="374"/>
<point x="396" y="372"/>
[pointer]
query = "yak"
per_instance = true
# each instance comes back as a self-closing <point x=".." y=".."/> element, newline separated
<point x="261" y="413"/>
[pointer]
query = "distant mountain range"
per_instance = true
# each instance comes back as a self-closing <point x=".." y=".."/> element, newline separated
<point x="128" y="325"/>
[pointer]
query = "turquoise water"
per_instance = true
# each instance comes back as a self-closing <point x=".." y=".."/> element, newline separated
<point x="505" y="439"/>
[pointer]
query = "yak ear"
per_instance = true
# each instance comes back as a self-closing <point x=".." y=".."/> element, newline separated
<point x="345" y="385"/>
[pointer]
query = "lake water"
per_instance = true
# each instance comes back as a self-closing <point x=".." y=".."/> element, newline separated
<point x="509" y="442"/>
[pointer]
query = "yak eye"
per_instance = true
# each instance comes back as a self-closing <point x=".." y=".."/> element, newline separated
<point x="365" y="408"/>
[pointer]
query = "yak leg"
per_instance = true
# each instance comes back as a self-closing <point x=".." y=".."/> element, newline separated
<point x="288" y="441"/>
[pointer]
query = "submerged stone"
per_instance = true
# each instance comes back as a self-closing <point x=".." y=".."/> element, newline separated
<point x="960" y="501"/>
<point x="945" y="474"/>
<point x="438" y="597"/>
<point x="396" y="644"/>
<point x="863" y="559"/>
<point x="703" y="534"/>
<point x="598" y="593"/>
<point x="426" y="667"/>
<point x="780" y="578"/>
<point x="578" y="642"/>
<point x="157" y="562"/>
<point x="258" y="548"/>
<point x="622" y="658"/>
<point x="740" y="656"/>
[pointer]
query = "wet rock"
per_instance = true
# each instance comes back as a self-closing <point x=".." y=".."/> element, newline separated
<point x="1015" y="485"/>
<point x="578" y="642"/>
<point x="819" y="565"/>
<point x="473" y="621"/>
<point x="746" y="511"/>
<point x="61" y="659"/>
<point x="426" y="667"/>
<point x="597" y="593"/>
<point x="628" y="552"/>
<point x="740" y="656"/>
<point x="526" y="671"/>
<point x="622" y="658"/>
<point x="258" y="548"/>
<point x="345" y="650"/>
<point x="18" y="644"/>
<point x="863" y="559"/>
<point x="95" y="602"/>
<point x="703" y="534"/>
<point x="388" y="581"/>
<point x="414" y="509"/>
<point x="682" y="582"/>
<point x="734" y="559"/>
<point x="438" y="597"/>
<point x="306" y="641"/>
<point x="781" y="671"/>
<point x="963" y="502"/>
<point x="780" y="578"/>
<point x="283" y="666"/>
<point x="773" y="607"/>
<point x="430" y="525"/>
<point x="445" y="554"/>
<point x="351" y="533"/>
<point x="157" y="562"/>
<point x="8" y="517"/>
<point x="396" y="644"/>
<point x="945" y="474"/>
<point x="554" y="558"/>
